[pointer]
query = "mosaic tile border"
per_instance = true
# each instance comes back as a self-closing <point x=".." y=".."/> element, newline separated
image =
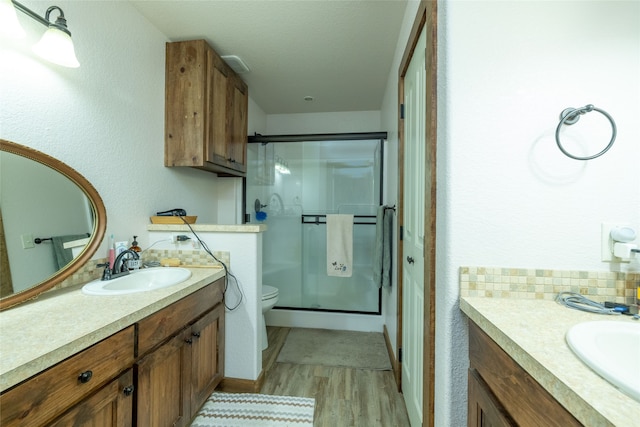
<point x="526" y="283"/>
<point x="196" y="258"/>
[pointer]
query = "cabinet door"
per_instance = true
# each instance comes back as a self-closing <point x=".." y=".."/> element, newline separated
<point x="217" y="76"/>
<point x="484" y="409"/>
<point x="111" y="406"/>
<point x="207" y="352"/>
<point x="162" y="398"/>
<point x="237" y="132"/>
<point x="185" y="103"/>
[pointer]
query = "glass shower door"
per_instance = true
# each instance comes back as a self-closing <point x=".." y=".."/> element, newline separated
<point x="298" y="184"/>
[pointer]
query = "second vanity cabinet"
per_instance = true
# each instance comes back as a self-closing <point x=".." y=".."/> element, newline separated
<point x="157" y="372"/>
<point x="206" y="110"/>
<point x="503" y="394"/>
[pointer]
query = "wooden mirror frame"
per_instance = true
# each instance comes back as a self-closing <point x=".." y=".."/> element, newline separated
<point x="99" y="225"/>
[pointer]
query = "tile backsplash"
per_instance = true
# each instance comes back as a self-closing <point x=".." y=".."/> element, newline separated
<point x="497" y="282"/>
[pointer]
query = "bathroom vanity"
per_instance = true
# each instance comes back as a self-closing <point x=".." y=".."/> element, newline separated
<point x="522" y="372"/>
<point x="145" y="359"/>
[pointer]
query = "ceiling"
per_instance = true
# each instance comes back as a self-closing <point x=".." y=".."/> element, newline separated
<point x="337" y="51"/>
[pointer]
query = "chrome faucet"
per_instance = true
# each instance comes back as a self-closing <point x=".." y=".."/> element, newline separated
<point x="112" y="272"/>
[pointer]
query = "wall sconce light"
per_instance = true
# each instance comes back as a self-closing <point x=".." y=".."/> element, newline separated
<point x="9" y="24"/>
<point x="55" y="45"/>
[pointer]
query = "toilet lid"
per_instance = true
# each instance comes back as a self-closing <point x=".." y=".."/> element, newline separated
<point x="269" y="292"/>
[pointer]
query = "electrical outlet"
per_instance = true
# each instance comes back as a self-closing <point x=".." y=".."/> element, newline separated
<point x="180" y="238"/>
<point x="27" y="241"/>
<point x="606" y="243"/>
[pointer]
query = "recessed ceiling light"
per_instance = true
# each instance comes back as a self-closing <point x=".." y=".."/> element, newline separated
<point x="308" y="98"/>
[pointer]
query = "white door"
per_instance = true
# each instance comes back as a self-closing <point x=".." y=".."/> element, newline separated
<point x="413" y="233"/>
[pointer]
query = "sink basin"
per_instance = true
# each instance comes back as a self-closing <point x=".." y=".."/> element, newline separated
<point x="612" y="349"/>
<point x="147" y="279"/>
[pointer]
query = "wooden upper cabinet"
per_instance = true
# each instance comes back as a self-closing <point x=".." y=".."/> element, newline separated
<point x="205" y="111"/>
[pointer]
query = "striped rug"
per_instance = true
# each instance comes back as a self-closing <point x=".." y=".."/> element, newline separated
<point x="259" y="410"/>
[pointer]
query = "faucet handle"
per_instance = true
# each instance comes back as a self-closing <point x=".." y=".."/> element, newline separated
<point x="106" y="274"/>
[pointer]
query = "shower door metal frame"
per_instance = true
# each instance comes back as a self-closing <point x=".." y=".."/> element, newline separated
<point x="336" y="137"/>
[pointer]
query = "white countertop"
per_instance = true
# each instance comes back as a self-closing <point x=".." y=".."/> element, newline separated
<point x="532" y="332"/>
<point x="215" y="228"/>
<point x="40" y="333"/>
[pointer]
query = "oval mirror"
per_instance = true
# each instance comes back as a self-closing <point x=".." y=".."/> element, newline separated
<point x="52" y="221"/>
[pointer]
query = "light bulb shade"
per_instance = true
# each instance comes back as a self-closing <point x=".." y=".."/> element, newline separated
<point x="56" y="46"/>
<point x="9" y="24"/>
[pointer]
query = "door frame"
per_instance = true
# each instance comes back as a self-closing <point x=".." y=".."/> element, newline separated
<point x="425" y="16"/>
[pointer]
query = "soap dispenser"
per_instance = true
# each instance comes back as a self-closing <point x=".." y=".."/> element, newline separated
<point x="135" y="264"/>
<point x="134" y="245"/>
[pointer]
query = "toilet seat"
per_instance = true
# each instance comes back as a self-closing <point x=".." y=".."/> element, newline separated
<point x="269" y="292"/>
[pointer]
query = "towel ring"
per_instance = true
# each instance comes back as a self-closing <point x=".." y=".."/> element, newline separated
<point x="570" y="116"/>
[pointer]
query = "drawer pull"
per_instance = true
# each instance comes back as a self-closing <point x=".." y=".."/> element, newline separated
<point x="128" y="391"/>
<point x="85" y="377"/>
<point x="196" y="334"/>
<point x="189" y="341"/>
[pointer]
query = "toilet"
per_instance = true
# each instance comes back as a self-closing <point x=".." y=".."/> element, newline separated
<point x="269" y="300"/>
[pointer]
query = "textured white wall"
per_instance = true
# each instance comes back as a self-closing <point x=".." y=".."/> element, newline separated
<point x="106" y="118"/>
<point x="349" y="121"/>
<point x="506" y="195"/>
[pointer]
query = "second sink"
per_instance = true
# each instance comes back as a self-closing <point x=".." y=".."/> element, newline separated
<point x="612" y="349"/>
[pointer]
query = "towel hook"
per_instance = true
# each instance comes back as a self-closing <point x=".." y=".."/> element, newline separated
<point x="570" y="116"/>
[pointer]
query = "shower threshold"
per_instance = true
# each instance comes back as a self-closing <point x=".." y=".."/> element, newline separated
<point x="318" y="308"/>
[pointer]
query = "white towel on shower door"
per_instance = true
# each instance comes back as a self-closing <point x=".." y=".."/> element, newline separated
<point x="339" y="245"/>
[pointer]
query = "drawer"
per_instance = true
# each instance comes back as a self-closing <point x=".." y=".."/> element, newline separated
<point x="41" y="398"/>
<point x="160" y="326"/>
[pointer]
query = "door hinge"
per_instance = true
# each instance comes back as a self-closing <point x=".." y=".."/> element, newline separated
<point x="402" y="111"/>
<point x="400" y="355"/>
<point x="401" y="232"/>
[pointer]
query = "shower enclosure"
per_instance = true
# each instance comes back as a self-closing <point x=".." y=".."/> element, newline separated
<point x="291" y="186"/>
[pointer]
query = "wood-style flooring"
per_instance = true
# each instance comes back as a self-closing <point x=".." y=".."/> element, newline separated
<point x="344" y="397"/>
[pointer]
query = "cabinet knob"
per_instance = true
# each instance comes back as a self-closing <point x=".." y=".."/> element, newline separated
<point x="196" y="334"/>
<point x="85" y="377"/>
<point x="410" y="260"/>
<point x="128" y="391"/>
